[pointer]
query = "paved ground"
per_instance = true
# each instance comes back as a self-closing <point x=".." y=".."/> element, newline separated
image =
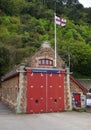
<point x="47" y="121"/>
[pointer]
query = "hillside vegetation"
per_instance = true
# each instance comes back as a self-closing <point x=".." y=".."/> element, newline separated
<point x="25" y="24"/>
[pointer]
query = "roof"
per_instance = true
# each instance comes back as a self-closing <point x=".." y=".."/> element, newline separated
<point x="11" y="73"/>
<point x="86" y="83"/>
<point x="79" y="84"/>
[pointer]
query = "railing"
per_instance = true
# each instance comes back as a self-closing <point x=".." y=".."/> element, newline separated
<point x="80" y="85"/>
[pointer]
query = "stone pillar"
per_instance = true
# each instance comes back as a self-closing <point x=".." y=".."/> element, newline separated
<point x="69" y="96"/>
<point x="21" y="96"/>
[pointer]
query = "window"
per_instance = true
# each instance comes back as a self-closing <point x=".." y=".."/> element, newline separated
<point x="45" y="62"/>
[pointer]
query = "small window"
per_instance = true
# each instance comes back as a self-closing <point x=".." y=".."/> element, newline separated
<point x="51" y="63"/>
<point x="45" y="62"/>
<point x="39" y="62"/>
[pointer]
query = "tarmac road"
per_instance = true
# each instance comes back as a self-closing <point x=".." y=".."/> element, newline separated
<point x="45" y="121"/>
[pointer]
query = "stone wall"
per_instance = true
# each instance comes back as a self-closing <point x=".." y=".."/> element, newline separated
<point x="10" y="91"/>
<point x="45" y="52"/>
<point x="14" y="92"/>
<point x="21" y="97"/>
<point x="66" y="98"/>
<point x="69" y="103"/>
<point x="67" y="92"/>
<point x="74" y="87"/>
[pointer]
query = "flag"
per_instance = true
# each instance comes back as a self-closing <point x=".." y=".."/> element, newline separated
<point x="60" y="21"/>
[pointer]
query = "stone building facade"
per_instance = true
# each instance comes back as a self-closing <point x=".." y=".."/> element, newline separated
<point x="14" y="83"/>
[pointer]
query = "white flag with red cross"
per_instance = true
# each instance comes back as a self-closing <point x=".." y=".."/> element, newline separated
<point x="60" y="21"/>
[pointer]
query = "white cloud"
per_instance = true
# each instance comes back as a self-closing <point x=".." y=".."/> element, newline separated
<point x="85" y="3"/>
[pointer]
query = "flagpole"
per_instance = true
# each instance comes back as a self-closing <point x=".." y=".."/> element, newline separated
<point x="69" y="57"/>
<point x="55" y="40"/>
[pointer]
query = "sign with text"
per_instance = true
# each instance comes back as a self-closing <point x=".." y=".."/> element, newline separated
<point x="46" y="71"/>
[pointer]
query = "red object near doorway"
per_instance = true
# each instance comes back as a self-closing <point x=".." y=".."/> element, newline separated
<point x="77" y="99"/>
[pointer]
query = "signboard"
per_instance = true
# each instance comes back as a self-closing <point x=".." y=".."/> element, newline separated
<point x="46" y="71"/>
<point x="88" y="102"/>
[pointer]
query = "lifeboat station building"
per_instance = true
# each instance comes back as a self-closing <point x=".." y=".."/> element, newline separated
<point x="37" y="86"/>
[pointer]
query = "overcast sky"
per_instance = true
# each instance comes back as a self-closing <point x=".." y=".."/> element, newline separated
<point x="85" y="3"/>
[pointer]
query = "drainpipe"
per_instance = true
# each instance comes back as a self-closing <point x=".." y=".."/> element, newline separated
<point x="68" y="86"/>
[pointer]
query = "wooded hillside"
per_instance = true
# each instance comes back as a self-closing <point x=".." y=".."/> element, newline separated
<point x="25" y="24"/>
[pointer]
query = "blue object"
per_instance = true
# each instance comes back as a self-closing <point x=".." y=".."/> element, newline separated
<point x="46" y="71"/>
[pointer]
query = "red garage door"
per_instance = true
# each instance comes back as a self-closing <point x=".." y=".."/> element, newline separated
<point x="45" y="91"/>
<point x="55" y="92"/>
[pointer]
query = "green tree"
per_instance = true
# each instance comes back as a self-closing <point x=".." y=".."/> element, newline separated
<point x="12" y="7"/>
<point x="89" y="16"/>
<point x="80" y="58"/>
<point x="4" y="60"/>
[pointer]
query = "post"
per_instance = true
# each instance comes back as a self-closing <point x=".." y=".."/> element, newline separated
<point x="69" y="57"/>
<point x="68" y="87"/>
<point x="21" y="96"/>
<point x="55" y="40"/>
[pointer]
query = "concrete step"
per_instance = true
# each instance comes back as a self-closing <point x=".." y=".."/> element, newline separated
<point x="4" y="109"/>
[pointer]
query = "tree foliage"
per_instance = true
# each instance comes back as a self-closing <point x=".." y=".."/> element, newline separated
<point x="4" y="60"/>
<point x="24" y="24"/>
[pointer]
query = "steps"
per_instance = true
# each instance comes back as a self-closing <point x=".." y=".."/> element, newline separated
<point x="4" y="110"/>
